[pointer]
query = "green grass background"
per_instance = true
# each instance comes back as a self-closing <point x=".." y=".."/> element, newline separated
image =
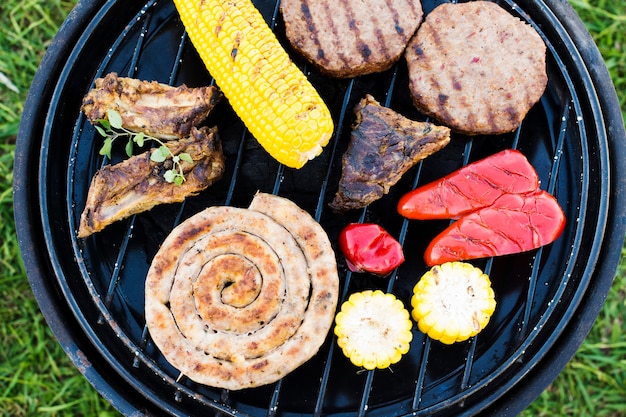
<point x="36" y="377"/>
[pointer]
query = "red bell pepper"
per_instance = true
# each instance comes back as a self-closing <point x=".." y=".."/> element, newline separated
<point x="513" y="223"/>
<point x="472" y="187"/>
<point x="370" y="248"/>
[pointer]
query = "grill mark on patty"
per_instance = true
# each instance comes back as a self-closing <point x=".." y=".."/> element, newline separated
<point x="335" y="33"/>
<point x="442" y="99"/>
<point x="362" y="47"/>
<point x="310" y="24"/>
<point x="383" y="48"/>
<point x="351" y="37"/>
<point x="381" y="42"/>
<point x="396" y="18"/>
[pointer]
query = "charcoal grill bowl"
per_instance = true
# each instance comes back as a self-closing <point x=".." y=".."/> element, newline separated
<point x="90" y="292"/>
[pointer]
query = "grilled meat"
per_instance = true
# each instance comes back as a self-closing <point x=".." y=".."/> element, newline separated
<point x="137" y="184"/>
<point x="237" y="298"/>
<point x="156" y="109"/>
<point x="351" y="37"/>
<point x="383" y="146"/>
<point x="476" y="68"/>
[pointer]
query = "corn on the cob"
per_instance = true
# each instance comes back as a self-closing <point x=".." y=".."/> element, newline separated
<point x="453" y="302"/>
<point x="275" y="100"/>
<point x="373" y="329"/>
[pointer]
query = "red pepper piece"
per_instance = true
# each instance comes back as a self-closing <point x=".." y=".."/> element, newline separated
<point x="513" y="224"/>
<point x="472" y="187"/>
<point x="370" y="248"/>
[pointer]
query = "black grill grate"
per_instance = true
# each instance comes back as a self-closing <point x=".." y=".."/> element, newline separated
<point x="538" y="293"/>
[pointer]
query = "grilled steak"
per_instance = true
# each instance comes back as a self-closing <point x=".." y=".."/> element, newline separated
<point x="137" y="184"/>
<point x="476" y="68"/>
<point x="156" y="109"/>
<point x="351" y="37"/>
<point x="383" y="146"/>
<point x="238" y="298"/>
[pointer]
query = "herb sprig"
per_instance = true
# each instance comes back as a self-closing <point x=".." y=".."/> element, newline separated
<point x="112" y="129"/>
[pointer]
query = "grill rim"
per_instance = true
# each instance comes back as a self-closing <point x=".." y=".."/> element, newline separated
<point x="20" y="204"/>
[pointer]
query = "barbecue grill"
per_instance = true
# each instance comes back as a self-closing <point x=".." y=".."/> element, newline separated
<point x="91" y="290"/>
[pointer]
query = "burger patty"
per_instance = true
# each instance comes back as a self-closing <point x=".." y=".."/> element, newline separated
<point x="476" y="68"/>
<point x="348" y="38"/>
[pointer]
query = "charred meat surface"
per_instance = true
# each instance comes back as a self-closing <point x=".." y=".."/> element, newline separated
<point x="351" y="37"/>
<point x="156" y="109"/>
<point x="138" y="184"/>
<point x="383" y="146"/>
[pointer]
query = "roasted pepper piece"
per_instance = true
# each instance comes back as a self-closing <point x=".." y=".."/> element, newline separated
<point x="513" y="224"/>
<point x="368" y="247"/>
<point x="472" y="187"/>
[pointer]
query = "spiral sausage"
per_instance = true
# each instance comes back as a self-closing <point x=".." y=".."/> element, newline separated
<point x="238" y="298"/>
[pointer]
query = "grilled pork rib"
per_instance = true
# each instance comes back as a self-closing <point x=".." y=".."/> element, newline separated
<point x="137" y="184"/>
<point x="156" y="109"/>
<point x="383" y="146"/>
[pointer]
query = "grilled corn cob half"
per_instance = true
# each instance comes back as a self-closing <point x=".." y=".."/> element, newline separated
<point x="273" y="98"/>
<point x="453" y="302"/>
<point x="373" y="329"/>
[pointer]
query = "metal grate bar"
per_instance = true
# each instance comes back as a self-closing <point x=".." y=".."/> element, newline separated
<point x="142" y="345"/>
<point x="338" y="129"/>
<point x="179" y="54"/>
<point x="272" y="408"/>
<point x="559" y="148"/>
<point x="469" y="361"/>
<point x="421" y="376"/>
<point x="138" y="49"/>
<point x="145" y="13"/>
<point x="532" y="285"/>
<point x="131" y="222"/>
<point x="117" y="268"/>
<point x="233" y="179"/>
<point x="140" y="357"/>
<point x="172" y="78"/>
<point x="364" y="403"/>
<point x="326" y="373"/>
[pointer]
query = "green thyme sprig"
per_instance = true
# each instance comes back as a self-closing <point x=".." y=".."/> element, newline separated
<point x="112" y="129"/>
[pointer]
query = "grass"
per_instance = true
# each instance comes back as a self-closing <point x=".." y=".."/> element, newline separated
<point x="37" y="378"/>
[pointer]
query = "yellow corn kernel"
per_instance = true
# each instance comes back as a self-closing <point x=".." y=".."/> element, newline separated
<point x="453" y="302"/>
<point x="264" y="87"/>
<point x="373" y="329"/>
